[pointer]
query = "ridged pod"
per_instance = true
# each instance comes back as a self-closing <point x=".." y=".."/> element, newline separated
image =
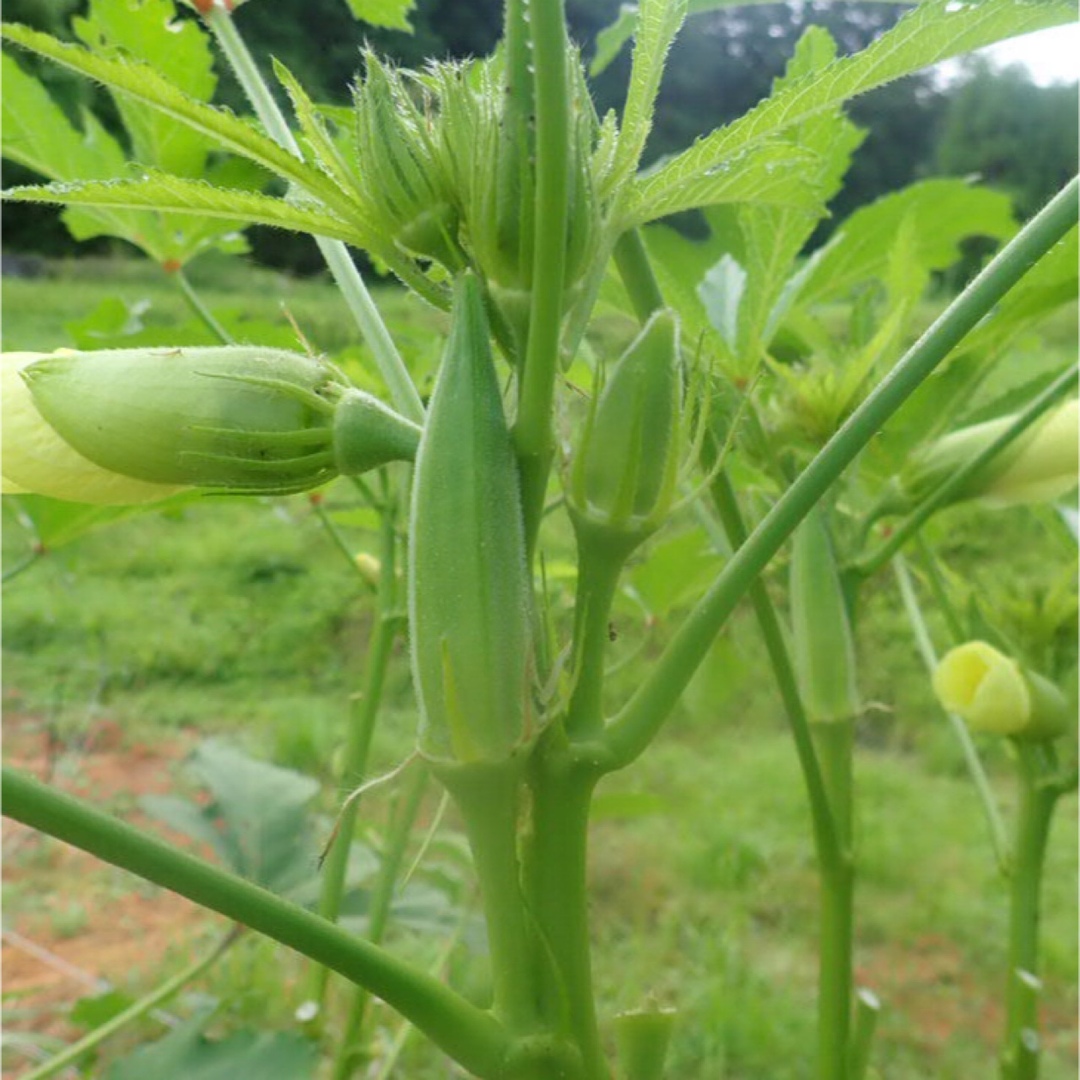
<point x="468" y="585"/>
<point x="240" y="418"/>
<point x="624" y="470"/>
<point x="823" y="644"/>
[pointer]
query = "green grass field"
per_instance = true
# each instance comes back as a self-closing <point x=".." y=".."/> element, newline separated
<point x="241" y="618"/>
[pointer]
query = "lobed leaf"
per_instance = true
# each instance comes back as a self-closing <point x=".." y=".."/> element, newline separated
<point x="771" y="173"/>
<point x="658" y="23"/>
<point x="175" y="194"/>
<point x="935" y="30"/>
<point x="392" y="14"/>
<point x="143" y="83"/>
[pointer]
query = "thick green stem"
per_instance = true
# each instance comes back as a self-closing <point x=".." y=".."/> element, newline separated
<point x="359" y="737"/>
<point x="136" y="1011"/>
<point x="556" y="882"/>
<point x="996" y="827"/>
<point x="906" y="529"/>
<point x="468" y="1034"/>
<point x="533" y="436"/>
<point x="834" y="742"/>
<point x="599" y="568"/>
<point x="201" y="311"/>
<point x="489" y="797"/>
<point x="639" y="721"/>
<point x="392" y="368"/>
<point x="1020" y="1051"/>
<point x="867" y="1011"/>
<point x="381" y="898"/>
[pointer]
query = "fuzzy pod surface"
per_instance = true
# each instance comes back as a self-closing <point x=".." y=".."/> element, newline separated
<point x="468" y="583"/>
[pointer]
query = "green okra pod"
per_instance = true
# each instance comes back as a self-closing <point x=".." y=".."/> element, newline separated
<point x="468" y="583"/>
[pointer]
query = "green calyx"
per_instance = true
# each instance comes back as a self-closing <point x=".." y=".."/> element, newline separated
<point x="402" y="175"/>
<point x="624" y="470"/>
<point x="242" y="419"/>
<point x="468" y="582"/>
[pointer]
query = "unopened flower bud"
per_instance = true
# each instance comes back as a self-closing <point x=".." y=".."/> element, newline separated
<point x="36" y="460"/>
<point x="242" y="419"/>
<point x="1039" y="465"/>
<point x="994" y="694"/>
<point x="623" y="474"/>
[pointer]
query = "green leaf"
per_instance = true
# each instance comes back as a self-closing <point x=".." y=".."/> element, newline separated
<point x="149" y="31"/>
<point x="941" y="214"/>
<point x="186" y="1054"/>
<point x="258" y="820"/>
<point x="772" y="172"/>
<point x="658" y="23"/>
<point x="323" y="152"/>
<point x="160" y="191"/>
<point x="55" y="523"/>
<point x="143" y="83"/>
<point x="392" y="14"/>
<point x="37" y="134"/>
<point x="935" y="30"/>
<point x="96" y="1009"/>
<point x="771" y="237"/>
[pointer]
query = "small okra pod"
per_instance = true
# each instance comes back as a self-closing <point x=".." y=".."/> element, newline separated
<point x="823" y="644"/>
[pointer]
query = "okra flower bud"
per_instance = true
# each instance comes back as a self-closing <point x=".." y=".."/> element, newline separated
<point x="994" y="694"/>
<point x="468" y="582"/>
<point x="241" y="419"/>
<point x="401" y="175"/>
<point x="1038" y="466"/>
<point x="624" y="471"/>
<point x="37" y="460"/>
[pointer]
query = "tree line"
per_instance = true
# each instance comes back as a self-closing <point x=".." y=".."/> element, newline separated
<point x="998" y="124"/>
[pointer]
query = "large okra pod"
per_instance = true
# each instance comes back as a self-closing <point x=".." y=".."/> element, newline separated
<point x="468" y="584"/>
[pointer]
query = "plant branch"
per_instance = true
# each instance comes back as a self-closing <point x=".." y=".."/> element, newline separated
<point x="201" y="311"/>
<point x="642" y="717"/>
<point x="342" y="268"/>
<point x="468" y="1034"/>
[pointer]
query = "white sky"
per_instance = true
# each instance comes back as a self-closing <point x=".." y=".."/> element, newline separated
<point x="1051" y="55"/>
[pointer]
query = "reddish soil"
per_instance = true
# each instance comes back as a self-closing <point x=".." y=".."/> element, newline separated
<point x="73" y="924"/>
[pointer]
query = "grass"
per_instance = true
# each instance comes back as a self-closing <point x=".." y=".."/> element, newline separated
<point x="241" y="618"/>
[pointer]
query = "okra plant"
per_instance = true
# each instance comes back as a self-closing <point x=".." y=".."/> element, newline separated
<point x="494" y="190"/>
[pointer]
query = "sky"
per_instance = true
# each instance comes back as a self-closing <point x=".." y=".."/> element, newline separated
<point x="1051" y="55"/>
